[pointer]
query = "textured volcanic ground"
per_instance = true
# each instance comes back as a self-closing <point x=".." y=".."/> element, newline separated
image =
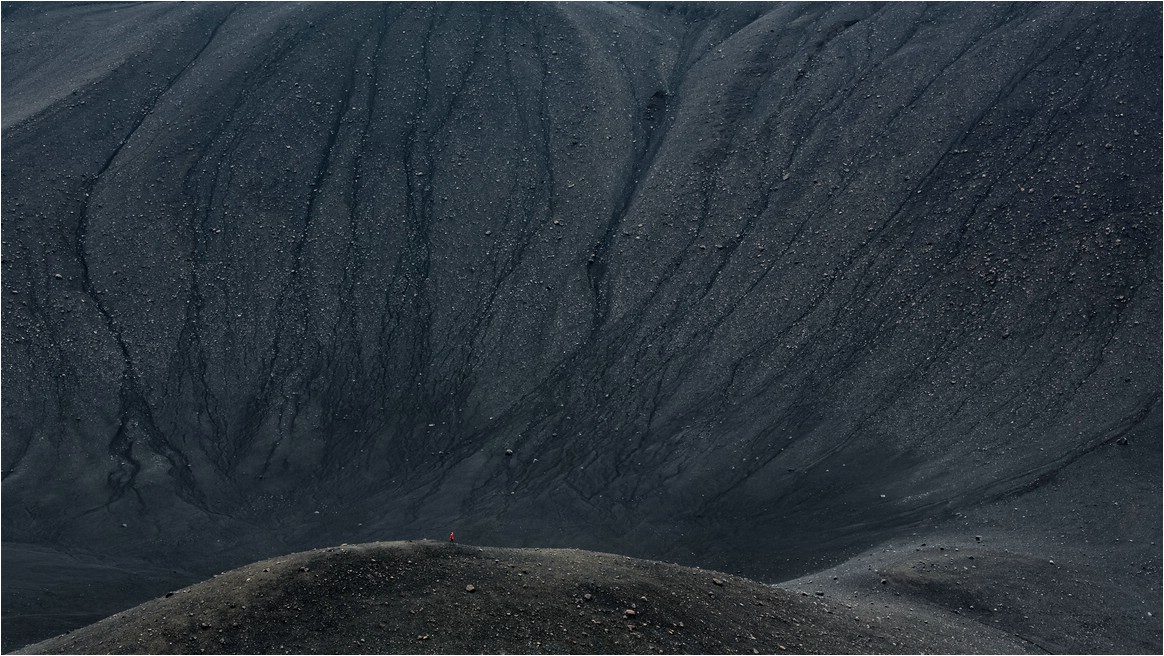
<point x="425" y="597"/>
<point x="766" y="288"/>
<point x="1001" y="591"/>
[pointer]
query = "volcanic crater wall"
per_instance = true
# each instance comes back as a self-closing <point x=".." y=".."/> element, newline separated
<point x="744" y="286"/>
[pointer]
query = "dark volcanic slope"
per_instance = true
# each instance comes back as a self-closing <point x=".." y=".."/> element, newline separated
<point x="753" y="287"/>
<point x="425" y="597"/>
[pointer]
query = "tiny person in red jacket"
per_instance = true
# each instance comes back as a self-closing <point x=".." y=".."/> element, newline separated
<point x="451" y="537"/>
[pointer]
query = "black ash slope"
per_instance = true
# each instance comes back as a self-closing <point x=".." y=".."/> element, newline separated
<point x="748" y="287"/>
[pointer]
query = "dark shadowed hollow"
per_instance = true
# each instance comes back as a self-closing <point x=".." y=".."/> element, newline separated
<point x="762" y="287"/>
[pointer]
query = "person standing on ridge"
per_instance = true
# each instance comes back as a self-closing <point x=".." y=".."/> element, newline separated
<point x="452" y="539"/>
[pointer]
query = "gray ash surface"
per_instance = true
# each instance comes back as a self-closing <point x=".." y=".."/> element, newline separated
<point x="756" y="287"/>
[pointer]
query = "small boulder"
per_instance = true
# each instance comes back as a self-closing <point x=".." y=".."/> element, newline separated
<point x="470" y="588"/>
<point x="630" y="612"/>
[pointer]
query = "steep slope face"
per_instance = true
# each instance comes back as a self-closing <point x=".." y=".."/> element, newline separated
<point x="745" y="286"/>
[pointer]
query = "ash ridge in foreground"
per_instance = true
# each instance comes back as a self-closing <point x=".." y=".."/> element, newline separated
<point x="429" y="597"/>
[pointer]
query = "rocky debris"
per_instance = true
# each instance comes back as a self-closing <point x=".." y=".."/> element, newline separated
<point x="630" y="612"/>
<point x="470" y="588"/>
